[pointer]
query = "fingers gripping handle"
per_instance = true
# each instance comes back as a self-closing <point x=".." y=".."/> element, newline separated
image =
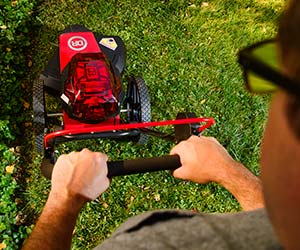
<point x="118" y="168"/>
<point x="127" y="167"/>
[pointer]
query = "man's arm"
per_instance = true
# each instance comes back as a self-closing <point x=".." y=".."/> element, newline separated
<point x="205" y="160"/>
<point x="77" y="178"/>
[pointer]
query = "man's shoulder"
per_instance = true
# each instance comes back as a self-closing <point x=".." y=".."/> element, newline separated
<point x="178" y="229"/>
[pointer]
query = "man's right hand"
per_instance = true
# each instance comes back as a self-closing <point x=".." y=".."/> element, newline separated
<point x="203" y="160"/>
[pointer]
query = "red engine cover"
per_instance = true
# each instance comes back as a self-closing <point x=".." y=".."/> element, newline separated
<point x="91" y="90"/>
<point x="75" y="42"/>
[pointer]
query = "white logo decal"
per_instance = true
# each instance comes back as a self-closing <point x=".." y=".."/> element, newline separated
<point x="65" y="98"/>
<point x="109" y="42"/>
<point x="77" y="43"/>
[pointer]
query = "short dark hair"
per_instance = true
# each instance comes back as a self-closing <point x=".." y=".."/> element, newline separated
<point x="289" y="50"/>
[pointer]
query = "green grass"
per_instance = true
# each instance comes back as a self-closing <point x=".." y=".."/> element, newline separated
<point x="186" y="52"/>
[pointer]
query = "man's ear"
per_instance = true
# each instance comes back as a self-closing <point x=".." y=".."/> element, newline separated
<point x="292" y="109"/>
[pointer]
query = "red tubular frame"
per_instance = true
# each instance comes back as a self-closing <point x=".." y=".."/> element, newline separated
<point x="208" y="122"/>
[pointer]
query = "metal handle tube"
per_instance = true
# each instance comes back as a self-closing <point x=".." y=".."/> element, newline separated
<point x="127" y="167"/>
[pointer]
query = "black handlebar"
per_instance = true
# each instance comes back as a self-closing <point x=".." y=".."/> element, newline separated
<point x="127" y="167"/>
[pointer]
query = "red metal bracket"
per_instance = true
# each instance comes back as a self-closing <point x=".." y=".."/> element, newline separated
<point x="98" y="129"/>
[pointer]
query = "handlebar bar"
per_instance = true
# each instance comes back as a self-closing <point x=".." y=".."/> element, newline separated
<point x="128" y="167"/>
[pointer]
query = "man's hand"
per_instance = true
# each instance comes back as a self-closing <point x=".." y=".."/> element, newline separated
<point x="76" y="178"/>
<point x="80" y="175"/>
<point x="205" y="160"/>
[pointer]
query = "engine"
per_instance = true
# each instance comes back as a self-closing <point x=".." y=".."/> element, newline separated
<point x="91" y="90"/>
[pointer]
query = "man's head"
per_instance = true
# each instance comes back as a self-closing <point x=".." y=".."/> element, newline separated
<point x="281" y="144"/>
<point x="289" y="51"/>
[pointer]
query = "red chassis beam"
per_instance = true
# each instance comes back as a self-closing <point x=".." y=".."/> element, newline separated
<point x="60" y="133"/>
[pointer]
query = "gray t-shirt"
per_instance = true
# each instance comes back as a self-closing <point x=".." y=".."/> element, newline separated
<point x="177" y="229"/>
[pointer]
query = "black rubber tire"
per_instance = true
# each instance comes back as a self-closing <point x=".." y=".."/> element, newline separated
<point x="39" y="114"/>
<point x="138" y="101"/>
<point x="47" y="168"/>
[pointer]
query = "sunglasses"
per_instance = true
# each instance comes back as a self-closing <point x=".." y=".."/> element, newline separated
<point x="262" y="71"/>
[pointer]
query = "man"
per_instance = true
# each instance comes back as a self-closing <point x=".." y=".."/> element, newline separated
<point x="76" y="177"/>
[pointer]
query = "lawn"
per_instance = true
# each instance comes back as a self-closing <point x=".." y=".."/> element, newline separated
<point x="186" y="52"/>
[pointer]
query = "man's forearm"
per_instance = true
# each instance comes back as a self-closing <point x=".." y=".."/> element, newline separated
<point x="244" y="186"/>
<point x="55" y="226"/>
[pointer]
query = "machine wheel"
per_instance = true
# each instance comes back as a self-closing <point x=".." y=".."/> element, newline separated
<point x="138" y="104"/>
<point x="47" y="167"/>
<point x="39" y="114"/>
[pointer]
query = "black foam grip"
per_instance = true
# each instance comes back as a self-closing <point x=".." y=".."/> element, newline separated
<point x="127" y="167"/>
